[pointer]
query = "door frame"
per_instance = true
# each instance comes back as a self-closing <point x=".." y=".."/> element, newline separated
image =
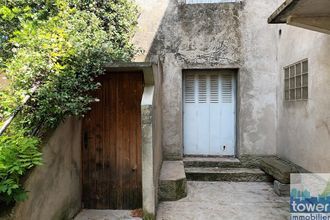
<point x="151" y="72"/>
<point x="237" y="104"/>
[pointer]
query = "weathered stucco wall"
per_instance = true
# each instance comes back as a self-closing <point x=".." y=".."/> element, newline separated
<point x="214" y="36"/>
<point x="151" y="138"/>
<point x="304" y="126"/>
<point x="55" y="187"/>
<point x="258" y="77"/>
<point x="157" y="128"/>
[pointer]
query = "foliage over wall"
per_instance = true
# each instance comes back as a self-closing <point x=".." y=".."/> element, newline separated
<point x="60" y="46"/>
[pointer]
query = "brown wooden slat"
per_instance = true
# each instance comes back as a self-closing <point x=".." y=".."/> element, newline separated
<point x="112" y="172"/>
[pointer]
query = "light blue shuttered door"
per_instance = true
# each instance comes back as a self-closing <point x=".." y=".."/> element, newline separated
<point x="209" y="113"/>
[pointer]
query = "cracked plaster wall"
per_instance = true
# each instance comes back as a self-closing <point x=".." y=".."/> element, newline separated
<point x="214" y="36"/>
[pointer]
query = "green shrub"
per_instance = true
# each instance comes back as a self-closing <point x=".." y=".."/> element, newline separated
<point x="60" y="46"/>
<point x="18" y="153"/>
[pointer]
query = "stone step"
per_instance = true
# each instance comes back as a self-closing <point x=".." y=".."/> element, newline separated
<point x="226" y="174"/>
<point x="172" y="181"/>
<point x="278" y="168"/>
<point x="223" y="162"/>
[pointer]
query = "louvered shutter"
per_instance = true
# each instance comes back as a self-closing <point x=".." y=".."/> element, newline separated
<point x="214" y="88"/>
<point x="227" y="89"/>
<point x="209" y="113"/>
<point x="202" y="88"/>
<point x="189" y="88"/>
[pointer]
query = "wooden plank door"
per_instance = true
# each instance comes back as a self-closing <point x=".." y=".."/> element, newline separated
<point x="111" y="149"/>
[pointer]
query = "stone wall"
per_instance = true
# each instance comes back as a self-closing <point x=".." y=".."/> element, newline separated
<point x="214" y="36"/>
<point x="54" y="189"/>
<point x="304" y="126"/>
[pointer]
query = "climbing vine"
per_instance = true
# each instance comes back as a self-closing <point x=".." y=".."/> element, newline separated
<point x="58" y="46"/>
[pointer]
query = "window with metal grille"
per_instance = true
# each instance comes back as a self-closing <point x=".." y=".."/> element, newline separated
<point x="296" y="81"/>
<point x="209" y="1"/>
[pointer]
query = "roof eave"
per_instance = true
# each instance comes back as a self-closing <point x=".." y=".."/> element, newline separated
<point x="282" y="13"/>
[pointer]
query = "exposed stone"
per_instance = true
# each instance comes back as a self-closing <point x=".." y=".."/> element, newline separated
<point x="172" y="184"/>
<point x="227" y="174"/>
<point x="281" y="189"/>
<point x="277" y="168"/>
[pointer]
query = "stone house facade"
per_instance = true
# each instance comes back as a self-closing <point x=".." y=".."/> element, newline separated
<point x="278" y="91"/>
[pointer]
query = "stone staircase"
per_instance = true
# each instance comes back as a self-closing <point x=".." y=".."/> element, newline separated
<point x="222" y="169"/>
<point x="174" y="174"/>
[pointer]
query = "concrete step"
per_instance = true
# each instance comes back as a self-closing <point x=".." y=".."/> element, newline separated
<point x="226" y="174"/>
<point x="223" y="162"/>
<point x="172" y="181"/>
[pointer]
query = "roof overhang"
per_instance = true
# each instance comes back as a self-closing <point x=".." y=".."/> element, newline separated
<point x="310" y="14"/>
<point x="147" y="68"/>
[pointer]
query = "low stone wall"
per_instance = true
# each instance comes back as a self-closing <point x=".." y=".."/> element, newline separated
<point x="54" y="188"/>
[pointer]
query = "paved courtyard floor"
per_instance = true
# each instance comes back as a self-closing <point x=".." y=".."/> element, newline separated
<point x="91" y="214"/>
<point x="227" y="201"/>
<point x="213" y="201"/>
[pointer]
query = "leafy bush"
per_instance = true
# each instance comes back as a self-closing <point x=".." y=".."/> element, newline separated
<point x="18" y="154"/>
<point x="60" y="46"/>
<point x="63" y="53"/>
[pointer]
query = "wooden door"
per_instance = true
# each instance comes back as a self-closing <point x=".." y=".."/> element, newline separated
<point x="111" y="150"/>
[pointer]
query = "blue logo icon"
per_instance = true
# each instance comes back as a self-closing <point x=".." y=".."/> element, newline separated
<point x="310" y="196"/>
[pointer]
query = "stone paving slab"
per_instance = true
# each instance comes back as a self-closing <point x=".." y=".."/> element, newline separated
<point x="278" y="168"/>
<point x="91" y="214"/>
<point x="227" y="200"/>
